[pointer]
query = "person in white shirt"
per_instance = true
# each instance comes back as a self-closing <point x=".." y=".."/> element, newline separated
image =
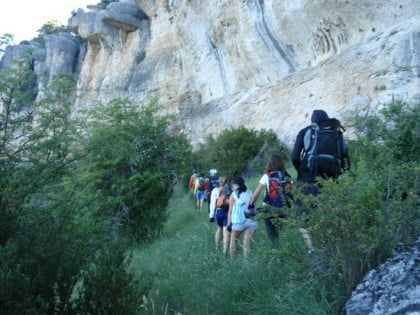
<point x="275" y="170"/>
<point x="219" y="207"/>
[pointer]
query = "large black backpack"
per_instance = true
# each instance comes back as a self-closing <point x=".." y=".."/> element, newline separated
<point x="324" y="147"/>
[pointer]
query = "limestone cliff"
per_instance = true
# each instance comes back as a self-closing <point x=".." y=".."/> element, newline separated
<point x="259" y="63"/>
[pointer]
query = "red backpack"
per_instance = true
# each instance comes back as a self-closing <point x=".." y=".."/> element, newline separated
<point x="278" y="189"/>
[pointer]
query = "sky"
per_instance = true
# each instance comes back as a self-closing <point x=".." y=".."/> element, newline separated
<point x="23" y="18"/>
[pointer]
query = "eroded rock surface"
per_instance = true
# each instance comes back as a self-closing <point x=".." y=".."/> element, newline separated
<point x="392" y="288"/>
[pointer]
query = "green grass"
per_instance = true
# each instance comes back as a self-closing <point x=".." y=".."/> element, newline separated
<point x="191" y="277"/>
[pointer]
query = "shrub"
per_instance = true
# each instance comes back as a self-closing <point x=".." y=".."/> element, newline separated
<point x="47" y="234"/>
<point x="52" y="27"/>
<point x="233" y="150"/>
<point x="131" y="167"/>
<point x="107" y="286"/>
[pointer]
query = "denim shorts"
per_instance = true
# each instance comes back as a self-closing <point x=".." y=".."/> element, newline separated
<point x="246" y="224"/>
<point x="221" y="217"/>
<point x="200" y="194"/>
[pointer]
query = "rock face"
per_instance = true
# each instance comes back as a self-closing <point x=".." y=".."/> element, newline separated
<point x="258" y="63"/>
<point x="392" y="288"/>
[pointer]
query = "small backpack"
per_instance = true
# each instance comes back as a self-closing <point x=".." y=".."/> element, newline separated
<point x="201" y="184"/>
<point x="277" y="192"/>
<point x="222" y="201"/>
<point x="323" y="147"/>
<point x="213" y="183"/>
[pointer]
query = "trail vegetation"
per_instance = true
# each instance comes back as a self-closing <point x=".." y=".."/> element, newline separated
<point x="96" y="217"/>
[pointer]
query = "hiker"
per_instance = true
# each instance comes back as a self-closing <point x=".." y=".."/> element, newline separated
<point x="240" y="217"/>
<point x="191" y="183"/>
<point x="219" y="207"/>
<point x="319" y="150"/>
<point x="213" y="182"/>
<point x="200" y="191"/>
<point x="277" y="184"/>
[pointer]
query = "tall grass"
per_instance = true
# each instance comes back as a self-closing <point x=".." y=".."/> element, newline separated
<point x="191" y="277"/>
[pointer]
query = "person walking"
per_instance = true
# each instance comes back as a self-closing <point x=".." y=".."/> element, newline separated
<point x="191" y="182"/>
<point x="239" y="217"/>
<point x="277" y="183"/>
<point x="219" y="207"/>
<point x="319" y="151"/>
<point x="213" y="182"/>
<point x="200" y="191"/>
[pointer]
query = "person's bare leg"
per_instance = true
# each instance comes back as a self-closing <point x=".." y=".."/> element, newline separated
<point x="247" y="241"/>
<point x="306" y="237"/>
<point x="218" y="236"/>
<point x="226" y="239"/>
<point x="232" y="248"/>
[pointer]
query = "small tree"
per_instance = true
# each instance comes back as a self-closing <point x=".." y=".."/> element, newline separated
<point x="133" y="162"/>
<point x="5" y="40"/>
<point x="233" y="150"/>
<point x="52" y="27"/>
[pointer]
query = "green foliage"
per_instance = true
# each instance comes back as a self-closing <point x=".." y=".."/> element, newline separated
<point x="34" y="151"/>
<point x="390" y="137"/>
<point x="5" y="40"/>
<point x="57" y="195"/>
<point x="107" y="287"/>
<point x="233" y="150"/>
<point x="52" y="27"/>
<point x="131" y="166"/>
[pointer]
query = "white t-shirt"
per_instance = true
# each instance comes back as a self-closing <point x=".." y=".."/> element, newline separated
<point x="264" y="181"/>
<point x="213" y="198"/>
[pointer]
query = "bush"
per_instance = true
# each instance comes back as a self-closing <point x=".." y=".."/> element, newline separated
<point x="50" y="232"/>
<point x="107" y="287"/>
<point x="131" y="167"/>
<point x="233" y="150"/>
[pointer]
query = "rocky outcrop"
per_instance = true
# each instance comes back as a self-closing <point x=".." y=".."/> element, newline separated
<point x="55" y="54"/>
<point x="116" y="42"/>
<point x="259" y="63"/>
<point x="392" y="288"/>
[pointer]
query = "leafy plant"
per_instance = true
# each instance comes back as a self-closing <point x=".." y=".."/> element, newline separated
<point x="5" y="40"/>
<point x="132" y="164"/>
<point x="233" y="150"/>
<point x="52" y="27"/>
<point x="107" y="286"/>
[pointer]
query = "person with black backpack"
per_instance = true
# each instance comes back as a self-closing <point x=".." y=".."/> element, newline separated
<point x="320" y="150"/>
<point x="277" y="185"/>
